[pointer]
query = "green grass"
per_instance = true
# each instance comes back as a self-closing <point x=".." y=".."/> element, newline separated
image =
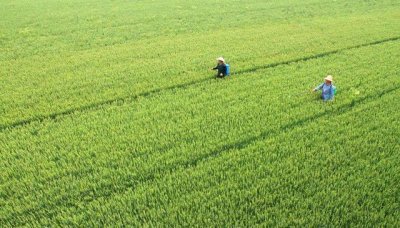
<point x="110" y="116"/>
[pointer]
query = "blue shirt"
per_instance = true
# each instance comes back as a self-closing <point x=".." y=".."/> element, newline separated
<point x="327" y="91"/>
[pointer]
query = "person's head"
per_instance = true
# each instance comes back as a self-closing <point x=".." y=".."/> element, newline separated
<point x="328" y="79"/>
<point x="220" y="60"/>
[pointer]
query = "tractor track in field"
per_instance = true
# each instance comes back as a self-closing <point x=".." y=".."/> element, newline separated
<point x="153" y="175"/>
<point x="289" y="126"/>
<point x="122" y="100"/>
<point x="320" y="55"/>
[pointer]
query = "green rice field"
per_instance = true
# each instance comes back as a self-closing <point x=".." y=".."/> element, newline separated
<point x="110" y="115"/>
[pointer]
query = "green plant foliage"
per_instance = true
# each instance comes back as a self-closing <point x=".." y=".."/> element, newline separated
<point x="110" y="115"/>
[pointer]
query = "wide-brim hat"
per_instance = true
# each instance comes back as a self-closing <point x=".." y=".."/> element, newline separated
<point x="221" y="59"/>
<point x="329" y="78"/>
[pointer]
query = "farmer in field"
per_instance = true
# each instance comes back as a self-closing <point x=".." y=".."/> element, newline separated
<point x="328" y="89"/>
<point x="221" y="67"/>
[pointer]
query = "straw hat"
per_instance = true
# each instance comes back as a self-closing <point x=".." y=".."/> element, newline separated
<point x="329" y="78"/>
<point x="221" y="59"/>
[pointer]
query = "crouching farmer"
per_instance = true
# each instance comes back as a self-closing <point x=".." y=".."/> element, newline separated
<point x="221" y="67"/>
<point x="328" y="89"/>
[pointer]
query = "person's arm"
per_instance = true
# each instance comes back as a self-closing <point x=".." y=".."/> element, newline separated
<point x="215" y="67"/>
<point x="318" y="87"/>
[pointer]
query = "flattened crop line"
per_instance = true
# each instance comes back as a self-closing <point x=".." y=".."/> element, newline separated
<point x="98" y="105"/>
<point x="264" y="135"/>
<point x="316" y="56"/>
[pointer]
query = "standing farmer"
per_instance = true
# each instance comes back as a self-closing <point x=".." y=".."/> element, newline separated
<point x="328" y="89"/>
<point x="221" y="67"/>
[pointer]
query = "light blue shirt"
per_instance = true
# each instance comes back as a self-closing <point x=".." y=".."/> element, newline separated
<point x="327" y="91"/>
